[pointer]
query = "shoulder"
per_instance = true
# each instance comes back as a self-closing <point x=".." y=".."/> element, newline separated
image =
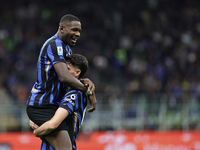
<point x="53" y="39"/>
<point x="53" y="44"/>
<point x="74" y="94"/>
<point x="69" y="92"/>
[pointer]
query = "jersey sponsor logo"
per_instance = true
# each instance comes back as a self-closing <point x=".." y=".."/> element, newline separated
<point x="60" y="50"/>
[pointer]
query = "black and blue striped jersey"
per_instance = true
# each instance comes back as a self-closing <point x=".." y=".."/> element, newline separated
<point x="75" y="102"/>
<point x="48" y="90"/>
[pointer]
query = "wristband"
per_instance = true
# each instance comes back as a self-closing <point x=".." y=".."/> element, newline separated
<point x="88" y="92"/>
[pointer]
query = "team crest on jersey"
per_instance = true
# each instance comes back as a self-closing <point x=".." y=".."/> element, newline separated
<point x="60" y="50"/>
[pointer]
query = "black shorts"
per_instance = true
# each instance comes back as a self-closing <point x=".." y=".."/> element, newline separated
<point x="39" y="115"/>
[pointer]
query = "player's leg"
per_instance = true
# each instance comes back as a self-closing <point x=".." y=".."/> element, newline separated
<point x="59" y="140"/>
<point x="45" y="145"/>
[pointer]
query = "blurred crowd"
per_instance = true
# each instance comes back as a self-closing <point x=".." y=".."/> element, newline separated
<point x="132" y="46"/>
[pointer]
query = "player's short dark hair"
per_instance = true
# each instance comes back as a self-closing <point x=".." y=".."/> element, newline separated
<point x="80" y="61"/>
<point x="69" y="18"/>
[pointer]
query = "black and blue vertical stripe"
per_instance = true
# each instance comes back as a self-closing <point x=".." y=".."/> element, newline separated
<point x="48" y="90"/>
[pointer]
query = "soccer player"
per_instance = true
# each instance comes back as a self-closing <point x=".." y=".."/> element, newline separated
<point x="53" y="77"/>
<point x="73" y="105"/>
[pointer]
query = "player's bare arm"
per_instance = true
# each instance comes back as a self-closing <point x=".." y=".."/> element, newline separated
<point x="52" y="124"/>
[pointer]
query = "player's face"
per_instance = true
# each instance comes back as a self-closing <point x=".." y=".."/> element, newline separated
<point x="71" y="33"/>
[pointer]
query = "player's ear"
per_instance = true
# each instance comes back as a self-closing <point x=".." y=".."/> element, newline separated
<point x="78" y="72"/>
<point x="61" y="28"/>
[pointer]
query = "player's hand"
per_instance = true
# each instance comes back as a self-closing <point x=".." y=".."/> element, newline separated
<point x="93" y="101"/>
<point x="36" y="135"/>
<point x="33" y="125"/>
<point x="91" y="87"/>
